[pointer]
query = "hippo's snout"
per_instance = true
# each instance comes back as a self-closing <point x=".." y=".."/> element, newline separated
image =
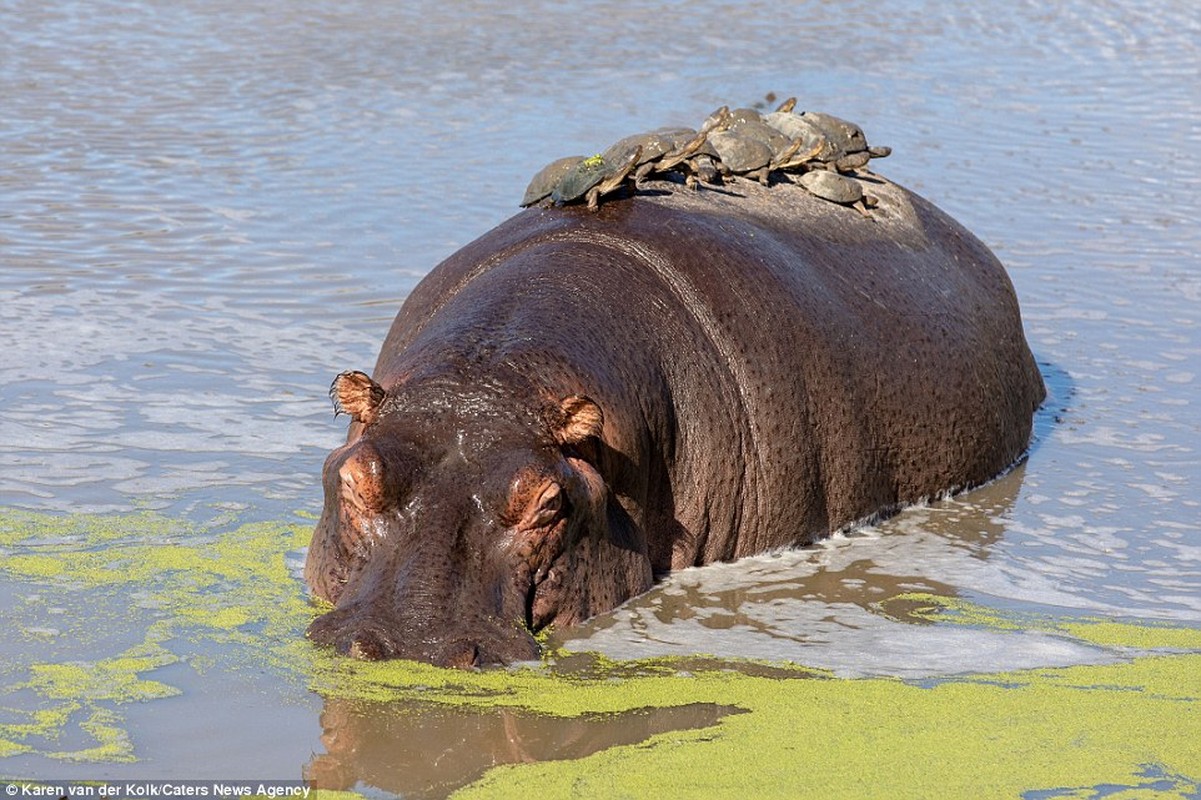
<point x="367" y="641"/>
<point x="369" y="638"/>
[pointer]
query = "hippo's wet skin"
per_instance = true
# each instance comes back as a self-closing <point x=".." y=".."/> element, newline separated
<point x="577" y="401"/>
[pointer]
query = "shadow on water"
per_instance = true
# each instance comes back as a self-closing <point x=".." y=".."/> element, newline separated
<point x="427" y="750"/>
<point x="1060" y="391"/>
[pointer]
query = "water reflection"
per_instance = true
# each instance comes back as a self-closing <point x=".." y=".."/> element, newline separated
<point x="422" y="750"/>
<point x="831" y="605"/>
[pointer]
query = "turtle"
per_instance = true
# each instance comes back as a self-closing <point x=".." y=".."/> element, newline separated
<point x="702" y="168"/>
<point x="620" y="170"/>
<point x="787" y="105"/>
<point x="653" y="143"/>
<point x="594" y="177"/>
<point x="814" y="140"/>
<point x="760" y="131"/>
<point x="836" y="188"/>
<point x="687" y="148"/>
<point x="662" y="150"/>
<point x="852" y="161"/>
<point x="547" y="178"/>
<point x="849" y="144"/>
<point x="742" y="155"/>
<point x="745" y="115"/>
<point x="786" y="152"/>
<point x="844" y="135"/>
<point x="576" y="181"/>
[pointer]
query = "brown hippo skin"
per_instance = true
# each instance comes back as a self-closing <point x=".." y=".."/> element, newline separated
<point x="576" y="402"/>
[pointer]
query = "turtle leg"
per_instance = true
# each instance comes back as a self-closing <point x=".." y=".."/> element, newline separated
<point x="852" y="162"/>
<point x="613" y="181"/>
<point x="786" y="155"/>
<point x="798" y="159"/>
<point x="681" y="154"/>
<point x="641" y="174"/>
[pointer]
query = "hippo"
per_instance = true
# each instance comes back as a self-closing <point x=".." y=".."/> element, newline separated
<point x="577" y="403"/>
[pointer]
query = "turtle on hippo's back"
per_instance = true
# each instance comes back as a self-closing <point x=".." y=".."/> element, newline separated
<point x="728" y="145"/>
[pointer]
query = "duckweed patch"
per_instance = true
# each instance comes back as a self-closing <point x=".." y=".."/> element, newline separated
<point x="1033" y="733"/>
<point x="1037" y="733"/>
<point x="103" y="580"/>
<point x="1142" y="635"/>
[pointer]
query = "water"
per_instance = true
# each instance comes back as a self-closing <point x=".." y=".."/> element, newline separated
<point x="209" y="209"/>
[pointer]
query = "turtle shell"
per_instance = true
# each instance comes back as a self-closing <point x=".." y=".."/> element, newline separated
<point x="576" y="182"/>
<point x="677" y="136"/>
<point x="687" y="144"/>
<point x="794" y="126"/>
<point x="547" y="178"/>
<point x="853" y="161"/>
<point x="653" y="144"/>
<point x="740" y="154"/>
<point x="831" y="186"/>
<point x="846" y="136"/>
<point x="744" y="115"/>
<point x="761" y="132"/>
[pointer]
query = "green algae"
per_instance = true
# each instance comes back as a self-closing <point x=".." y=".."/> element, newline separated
<point x="1039" y="732"/>
<point x="983" y="736"/>
<point x="1036" y="732"/>
<point x="107" y="729"/>
<point x="171" y="581"/>
<point x="1143" y="635"/>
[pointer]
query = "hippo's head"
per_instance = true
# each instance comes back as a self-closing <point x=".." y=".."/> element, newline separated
<point x="457" y="526"/>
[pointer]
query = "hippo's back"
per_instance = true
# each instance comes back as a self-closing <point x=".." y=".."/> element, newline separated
<point x="869" y="360"/>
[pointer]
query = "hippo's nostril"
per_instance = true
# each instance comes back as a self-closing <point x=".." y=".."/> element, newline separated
<point x="364" y="640"/>
<point x="462" y="655"/>
<point x="368" y="644"/>
<point x="322" y="630"/>
<point x="366" y="648"/>
<point x="373" y="637"/>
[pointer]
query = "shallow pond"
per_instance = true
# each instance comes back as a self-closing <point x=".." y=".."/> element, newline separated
<point x="209" y="209"/>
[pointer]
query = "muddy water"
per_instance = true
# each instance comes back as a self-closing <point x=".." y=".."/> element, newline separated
<point x="208" y="209"/>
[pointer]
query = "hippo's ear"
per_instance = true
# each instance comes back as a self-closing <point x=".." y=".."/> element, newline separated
<point x="354" y="393"/>
<point x="578" y="418"/>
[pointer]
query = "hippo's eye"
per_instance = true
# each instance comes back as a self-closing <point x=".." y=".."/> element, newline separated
<point x="545" y="508"/>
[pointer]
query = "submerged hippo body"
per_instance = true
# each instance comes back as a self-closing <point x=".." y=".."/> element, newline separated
<point x="576" y="402"/>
